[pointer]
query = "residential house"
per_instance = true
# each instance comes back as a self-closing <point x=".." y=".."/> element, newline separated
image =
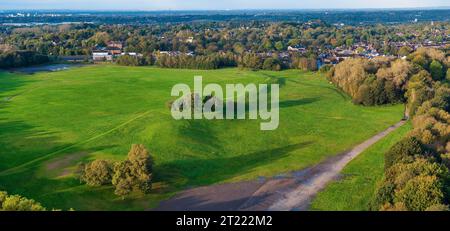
<point x="101" y="55"/>
<point x="107" y="53"/>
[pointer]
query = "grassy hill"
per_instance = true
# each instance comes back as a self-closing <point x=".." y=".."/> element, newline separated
<point x="49" y="122"/>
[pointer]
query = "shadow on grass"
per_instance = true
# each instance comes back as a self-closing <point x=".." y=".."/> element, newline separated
<point x="337" y="90"/>
<point x="199" y="131"/>
<point x="24" y="146"/>
<point x="281" y="81"/>
<point x="298" y="102"/>
<point x="196" y="171"/>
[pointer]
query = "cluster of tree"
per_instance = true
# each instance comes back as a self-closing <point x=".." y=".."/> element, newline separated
<point x="15" y="58"/>
<point x="415" y="183"/>
<point x="18" y="203"/>
<point x="133" y="60"/>
<point x="432" y="121"/>
<point x="190" y="101"/>
<point x="417" y="168"/>
<point x="432" y="60"/>
<point x="304" y="63"/>
<point x="422" y="85"/>
<point x="381" y="81"/>
<point x="247" y="60"/>
<point x="205" y="62"/>
<point x="131" y="175"/>
<point x="255" y="61"/>
<point x="272" y="64"/>
<point x="372" y="82"/>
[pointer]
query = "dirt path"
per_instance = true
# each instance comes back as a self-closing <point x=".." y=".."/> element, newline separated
<point x="301" y="196"/>
<point x="290" y="192"/>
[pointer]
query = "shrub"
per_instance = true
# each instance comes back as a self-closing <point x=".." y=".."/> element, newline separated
<point x="134" y="173"/>
<point x="122" y="178"/>
<point x="96" y="173"/>
<point x="141" y="166"/>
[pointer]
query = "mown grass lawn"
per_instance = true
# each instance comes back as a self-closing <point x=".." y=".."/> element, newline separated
<point x="50" y="122"/>
<point x="360" y="178"/>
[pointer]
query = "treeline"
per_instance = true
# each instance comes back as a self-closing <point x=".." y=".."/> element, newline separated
<point x="10" y="59"/>
<point x="131" y="175"/>
<point x="247" y="60"/>
<point x="204" y="62"/>
<point x="132" y="60"/>
<point x="417" y="168"/>
<point x="274" y="63"/>
<point x="372" y="82"/>
<point x="384" y="81"/>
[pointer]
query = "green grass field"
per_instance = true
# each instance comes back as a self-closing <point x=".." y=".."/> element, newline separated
<point x="360" y="177"/>
<point x="49" y="122"/>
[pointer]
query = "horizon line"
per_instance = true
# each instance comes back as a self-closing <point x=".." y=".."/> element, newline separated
<point x="237" y="9"/>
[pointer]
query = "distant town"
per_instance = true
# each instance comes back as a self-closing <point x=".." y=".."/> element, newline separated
<point x="439" y="38"/>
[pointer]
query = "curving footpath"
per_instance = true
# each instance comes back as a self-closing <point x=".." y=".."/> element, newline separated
<point x="282" y="193"/>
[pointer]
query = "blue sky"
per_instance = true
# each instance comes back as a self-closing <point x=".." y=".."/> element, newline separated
<point x="214" y="5"/>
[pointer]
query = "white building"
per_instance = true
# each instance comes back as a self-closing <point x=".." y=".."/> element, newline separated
<point x="101" y="56"/>
<point x="132" y="54"/>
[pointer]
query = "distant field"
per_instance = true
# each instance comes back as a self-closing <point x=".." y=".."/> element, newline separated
<point x="49" y="122"/>
<point x="360" y="178"/>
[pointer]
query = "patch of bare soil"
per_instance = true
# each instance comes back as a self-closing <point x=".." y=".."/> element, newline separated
<point x="222" y="197"/>
<point x="61" y="165"/>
